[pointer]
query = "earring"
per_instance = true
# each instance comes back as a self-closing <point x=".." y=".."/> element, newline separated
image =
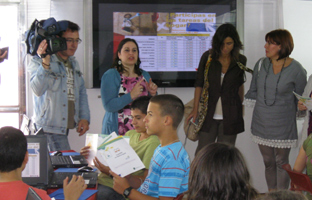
<point x="119" y="62"/>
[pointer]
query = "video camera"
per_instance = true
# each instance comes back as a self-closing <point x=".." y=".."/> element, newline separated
<point x="49" y="30"/>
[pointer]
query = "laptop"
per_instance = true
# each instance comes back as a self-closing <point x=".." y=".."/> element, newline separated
<point x="58" y="177"/>
<point x="71" y="161"/>
<point x="25" y="125"/>
<point x="39" y="172"/>
<point x="39" y="131"/>
<point x="32" y="195"/>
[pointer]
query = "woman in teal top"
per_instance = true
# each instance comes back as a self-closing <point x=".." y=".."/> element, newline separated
<point x="122" y="84"/>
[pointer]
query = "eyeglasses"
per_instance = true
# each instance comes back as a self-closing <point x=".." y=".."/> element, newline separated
<point x="72" y="40"/>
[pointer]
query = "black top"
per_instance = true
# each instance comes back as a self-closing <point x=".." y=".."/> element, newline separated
<point x="233" y="121"/>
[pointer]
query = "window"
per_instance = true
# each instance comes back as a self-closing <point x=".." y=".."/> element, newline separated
<point x="12" y="73"/>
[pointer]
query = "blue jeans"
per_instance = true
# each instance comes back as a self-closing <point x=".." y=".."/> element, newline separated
<point x="107" y="193"/>
<point x="57" y="142"/>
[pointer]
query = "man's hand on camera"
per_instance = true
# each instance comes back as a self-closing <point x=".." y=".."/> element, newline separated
<point x="41" y="51"/>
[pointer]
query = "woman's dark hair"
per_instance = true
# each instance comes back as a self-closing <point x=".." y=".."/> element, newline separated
<point x="281" y="37"/>
<point x="282" y="195"/>
<point x="120" y="68"/>
<point x="219" y="172"/>
<point x="224" y="31"/>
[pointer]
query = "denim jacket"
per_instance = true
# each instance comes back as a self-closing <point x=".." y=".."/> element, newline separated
<point x="50" y="94"/>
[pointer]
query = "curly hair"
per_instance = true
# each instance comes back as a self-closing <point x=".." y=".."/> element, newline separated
<point x="219" y="172"/>
<point x="120" y="68"/>
<point x="224" y="31"/>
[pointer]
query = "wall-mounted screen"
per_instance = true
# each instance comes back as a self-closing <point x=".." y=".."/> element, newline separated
<point x="172" y="35"/>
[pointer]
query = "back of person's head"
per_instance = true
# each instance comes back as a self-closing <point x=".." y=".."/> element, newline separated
<point x="282" y="195"/>
<point x="13" y="148"/>
<point x="141" y="103"/>
<point x="171" y="105"/>
<point x="219" y="172"/>
<point x="222" y="32"/>
<point x="281" y="37"/>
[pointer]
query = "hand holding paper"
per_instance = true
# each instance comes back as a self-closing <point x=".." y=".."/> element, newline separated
<point x="104" y="169"/>
<point x="120" y="156"/>
<point x="307" y="101"/>
<point x="120" y="184"/>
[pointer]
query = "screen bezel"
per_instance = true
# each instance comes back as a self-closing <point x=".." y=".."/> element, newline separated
<point x="162" y="79"/>
<point x="45" y="172"/>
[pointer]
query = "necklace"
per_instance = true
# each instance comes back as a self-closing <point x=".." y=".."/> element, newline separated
<point x="177" y="140"/>
<point x="266" y="76"/>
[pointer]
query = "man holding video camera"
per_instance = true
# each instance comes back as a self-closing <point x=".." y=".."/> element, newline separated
<point x="60" y="99"/>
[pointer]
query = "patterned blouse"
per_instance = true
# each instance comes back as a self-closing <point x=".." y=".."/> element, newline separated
<point x="124" y="115"/>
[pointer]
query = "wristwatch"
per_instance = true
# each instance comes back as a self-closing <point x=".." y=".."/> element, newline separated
<point x="127" y="191"/>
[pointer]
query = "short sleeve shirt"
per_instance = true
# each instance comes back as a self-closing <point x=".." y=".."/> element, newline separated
<point x="168" y="172"/>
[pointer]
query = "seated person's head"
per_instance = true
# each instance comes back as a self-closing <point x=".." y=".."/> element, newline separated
<point x="219" y="172"/>
<point x="282" y="195"/>
<point x="168" y="105"/>
<point x="13" y="148"/>
<point x="138" y="113"/>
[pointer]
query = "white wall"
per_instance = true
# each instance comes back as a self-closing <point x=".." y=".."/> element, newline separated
<point x="261" y="16"/>
<point x="297" y="19"/>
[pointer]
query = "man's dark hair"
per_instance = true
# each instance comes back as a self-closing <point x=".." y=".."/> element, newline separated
<point x="170" y="105"/>
<point x="72" y="27"/>
<point x="13" y="148"/>
<point x="141" y="103"/>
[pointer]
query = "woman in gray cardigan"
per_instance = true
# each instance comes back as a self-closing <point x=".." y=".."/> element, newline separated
<point x="273" y="125"/>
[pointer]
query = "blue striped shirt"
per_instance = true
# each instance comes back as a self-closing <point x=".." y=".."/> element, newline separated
<point x="168" y="172"/>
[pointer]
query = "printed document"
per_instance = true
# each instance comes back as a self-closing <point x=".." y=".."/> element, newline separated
<point x="307" y="101"/>
<point x="120" y="156"/>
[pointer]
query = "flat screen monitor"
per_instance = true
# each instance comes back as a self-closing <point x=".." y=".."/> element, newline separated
<point x="172" y="35"/>
<point x="38" y="169"/>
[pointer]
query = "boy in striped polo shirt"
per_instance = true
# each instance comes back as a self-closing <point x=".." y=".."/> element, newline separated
<point x="169" y="167"/>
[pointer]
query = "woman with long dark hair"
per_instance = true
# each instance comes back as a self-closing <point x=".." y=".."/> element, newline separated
<point x="121" y="84"/>
<point x="219" y="172"/>
<point x="224" y="118"/>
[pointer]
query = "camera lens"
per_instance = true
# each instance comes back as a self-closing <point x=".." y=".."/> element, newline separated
<point x="51" y="29"/>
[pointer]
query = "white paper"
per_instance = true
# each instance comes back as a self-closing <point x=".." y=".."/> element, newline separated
<point x="94" y="141"/>
<point x="120" y="156"/>
<point x="102" y="140"/>
<point x="307" y="101"/>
